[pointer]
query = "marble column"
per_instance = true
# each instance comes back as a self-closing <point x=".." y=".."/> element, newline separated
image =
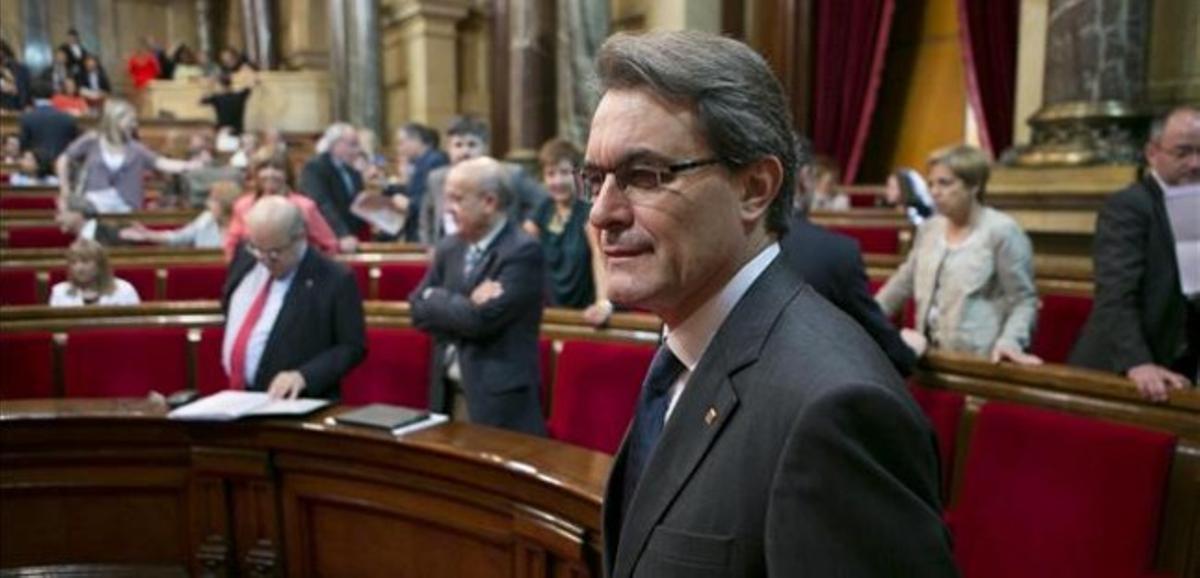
<point x="258" y="25"/>
<point x="532" y="109"/>
<point x="365" y="108"/>
<point x="204" y="28"/>
<point x="421" y="63"/>
<point x="1093" y="86"/>
<point x="582" y="28"/>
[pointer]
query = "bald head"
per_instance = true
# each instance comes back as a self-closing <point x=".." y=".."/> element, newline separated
<point x="1174" y="148"/>
<point x="477" y="196"/>
<point x="276" y="234"/>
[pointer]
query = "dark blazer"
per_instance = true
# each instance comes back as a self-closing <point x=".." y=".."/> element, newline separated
<point x="47" y="132"/>
<point x="1139" y="314"/>
<point x="320" y="330"/>
<point x="101" y="78"/>
<point x="321" y="182"/>
<point x="497" y="343"/>
<point x="794" y="449"/>
<point x="833" y="265"/>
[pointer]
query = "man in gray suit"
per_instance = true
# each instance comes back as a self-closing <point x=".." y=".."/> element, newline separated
<point x="482" y="302"/>
<point x="772" y="437"/>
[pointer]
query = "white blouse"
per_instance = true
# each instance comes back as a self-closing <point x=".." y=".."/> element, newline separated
<point x="63" y="295"/>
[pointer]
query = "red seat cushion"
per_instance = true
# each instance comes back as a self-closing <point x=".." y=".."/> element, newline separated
<point x="210" y="374"/>
<point x="32" y="237"/>
<point x="1059" y="323"/>
<point x="186" y="282"/>
<point x="397" y="280"/>
<point x="872" y="239"/>
<point x="18" y="287"/>
<point x="944" y="410"/>
<point x="27" y="360"/>
<point x="27" y="203"/>
<point x="396" y="369"/>
<point x="126" y="362"/>
<point x="1052" y="494"/>
<point x="595" y="390"/>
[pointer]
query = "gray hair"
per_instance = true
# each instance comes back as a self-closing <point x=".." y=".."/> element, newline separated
<point x="332" y="134"/>
<point x="491" y="176"/>
<point x="277" y="213"/>
<point x="740" y="104"/>
<point x="1159" y="125"/>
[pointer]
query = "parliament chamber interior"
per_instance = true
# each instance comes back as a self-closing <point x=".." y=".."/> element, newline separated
<point x="117" y="278"/>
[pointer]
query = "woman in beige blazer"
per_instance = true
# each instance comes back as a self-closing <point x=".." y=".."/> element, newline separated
<point x="970" y="269"/>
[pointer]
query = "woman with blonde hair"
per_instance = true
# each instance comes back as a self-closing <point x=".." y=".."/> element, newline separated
<point x="113" y="162"/>
<point x="90" y="280"/>
<point x="970" y="269"/>
<point x="206" y="231"/>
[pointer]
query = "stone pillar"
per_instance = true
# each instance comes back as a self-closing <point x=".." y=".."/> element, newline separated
<point x="304" y="34"/>
<point x="422" y="60"/>
<point x="365" y="109"/>
<point x="204" y="27"/>
<point x="532" y="109"/>
<point x="258" y="25"/>
<point x="1094" y="85"/>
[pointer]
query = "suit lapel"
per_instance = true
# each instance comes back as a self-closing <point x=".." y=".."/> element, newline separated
<point x="708" y="402"/>
<point x="292" y="309"/>
<point x="489" y="258"/>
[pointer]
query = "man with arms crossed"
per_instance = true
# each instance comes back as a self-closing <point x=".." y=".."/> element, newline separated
<point x="773" y="437"/>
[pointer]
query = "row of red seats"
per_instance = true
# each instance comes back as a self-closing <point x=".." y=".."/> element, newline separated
<point x="205" y="281"/>
<point x="1048" y="494"/>
<point x="595" y="384"/>
<point x="42" y="202"/>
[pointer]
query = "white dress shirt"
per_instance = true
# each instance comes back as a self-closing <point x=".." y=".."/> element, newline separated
<point x="239" y="306"/>
<point x="64" y="294"/>
<point x="689" y="341"/>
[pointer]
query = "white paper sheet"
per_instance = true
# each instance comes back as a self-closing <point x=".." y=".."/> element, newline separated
<point x="230" y="405"/>
<point x="1183" y="210"/>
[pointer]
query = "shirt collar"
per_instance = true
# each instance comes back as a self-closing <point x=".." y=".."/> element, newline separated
<point x="483" y="244"/>
<point x="691" y="338"/>
<point x="89" y="230"/>
<point x="1162" y="185"/>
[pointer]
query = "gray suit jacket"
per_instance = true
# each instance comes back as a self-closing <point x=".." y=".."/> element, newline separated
<point x="794" y="450"/>
<point x="497" y="343"/>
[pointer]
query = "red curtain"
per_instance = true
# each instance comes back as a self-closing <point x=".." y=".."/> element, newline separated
<point x="988" y="33"/>
<point x="849" y="50"/>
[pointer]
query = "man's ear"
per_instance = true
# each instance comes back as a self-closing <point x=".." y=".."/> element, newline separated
<point x="761" y="180"/>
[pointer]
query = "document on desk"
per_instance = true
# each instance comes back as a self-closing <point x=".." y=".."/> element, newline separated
<point x="230" y="405"/>
<point x="378" y="210"/>
<point x="1183" y="210"/>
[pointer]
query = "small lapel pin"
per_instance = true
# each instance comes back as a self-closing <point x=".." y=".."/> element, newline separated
<point x="710" y="416"/>
<point x="308" y="283"/>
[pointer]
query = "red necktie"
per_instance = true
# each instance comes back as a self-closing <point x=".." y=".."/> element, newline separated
<point x="237" y="358"/>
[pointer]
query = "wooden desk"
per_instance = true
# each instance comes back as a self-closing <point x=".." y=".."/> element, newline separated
<point x="112" y="482"/>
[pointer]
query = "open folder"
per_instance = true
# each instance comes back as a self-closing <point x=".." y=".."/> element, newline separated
<point x="230" y="405"/>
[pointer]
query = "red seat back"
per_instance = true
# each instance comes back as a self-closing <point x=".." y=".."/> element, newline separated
<point x="18" y="287"/>
<point x="142" y="279"/>
<point x="870" y="239"/>
<point x="126" y="362"/>
<point x="210" y="374"/>
<point x="1059" y="323"/>
<point x="595" y="390"/>
<point x="27" y="362"/>
<point x="362" y="276"/>
<point x="46" y="203"/>
<point x="32" y="237"/>
<point x="1052" y="494"/>
<point x="944" y="410"/>
<point x="397" y="280"/>
<point x="186" y="282"/>
<point x="396" y="369"/>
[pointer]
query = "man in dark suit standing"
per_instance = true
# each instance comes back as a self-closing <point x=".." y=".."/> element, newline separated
<point x="293" y="317"/>
<point x="482" y="302"/>
<point x="46" y="131"/>
<point x="1142" y="325"/>
<point x="772" y="437"/>
<point x="331" y="180"/>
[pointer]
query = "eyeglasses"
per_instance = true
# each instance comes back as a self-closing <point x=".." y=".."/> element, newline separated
<point x="637" y="181"/>
<point x="270" y="254"/>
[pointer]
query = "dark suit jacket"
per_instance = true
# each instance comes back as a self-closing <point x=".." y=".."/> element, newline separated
<point x="322" y="183"/>
<point x="794" y="450"/>
<point x="497" y="343"/>
<point x="833" y="265"/>
<point x="47" y="132"/>
<point x="1139" y="313"/>
<point x="101" y="78"/>
<point x="320" y="330"/>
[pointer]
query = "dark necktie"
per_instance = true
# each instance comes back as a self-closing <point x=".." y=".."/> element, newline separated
<point x="471" y="261"/>
<point x="648" y="422"/>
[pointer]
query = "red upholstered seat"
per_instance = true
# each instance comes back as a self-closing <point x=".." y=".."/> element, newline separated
<point x="18" y="287"/>
<point x="186" y="282"/>
<point x="872" y="239"/>
<point x="30" y="237"/>
<point x="26" y="365"/>
<point x="396" y="369"/>
<point x="863" y="200"/>
<point x="397" y="280"/>
<point x="595" y="390"/>
<point x="546" y="361"/>
<point x="27" y="203"/>
<point x="210" y="374"/>
<point x="142" y="279"/>
<point x="1048" y="494"/>
<point x="126" y="362"/>
<point x="1059" y="323"/>
<point x="944" y="410"/>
